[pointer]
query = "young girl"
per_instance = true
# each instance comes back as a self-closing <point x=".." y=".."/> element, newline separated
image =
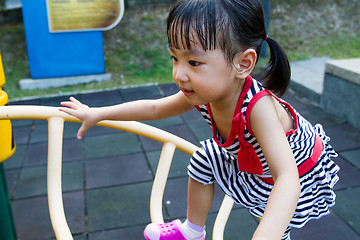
<point x="263" y="154"/>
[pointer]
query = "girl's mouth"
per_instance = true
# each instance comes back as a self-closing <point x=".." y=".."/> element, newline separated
<point x="187" y="92"/>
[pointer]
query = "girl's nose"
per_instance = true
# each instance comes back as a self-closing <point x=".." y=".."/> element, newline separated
<point x="180" y="74"/>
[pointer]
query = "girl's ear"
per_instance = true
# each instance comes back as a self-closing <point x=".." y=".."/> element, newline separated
<point x="245" y="62"/>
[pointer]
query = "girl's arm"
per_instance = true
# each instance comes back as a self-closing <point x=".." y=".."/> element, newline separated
<point x="266" y="126"/>
<point x="140" y="110"/>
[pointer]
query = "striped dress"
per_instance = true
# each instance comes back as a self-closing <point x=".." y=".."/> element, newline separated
<point x="218" y="161"/>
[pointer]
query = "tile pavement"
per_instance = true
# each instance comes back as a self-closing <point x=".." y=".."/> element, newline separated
<point x="107" y="176"/>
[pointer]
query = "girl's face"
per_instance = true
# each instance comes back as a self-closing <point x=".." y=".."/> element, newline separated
<point x="204" y="76"/>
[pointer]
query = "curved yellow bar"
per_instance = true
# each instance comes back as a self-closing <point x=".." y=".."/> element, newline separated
<point x="222" y="218"/>
<point x="44" y="113"/>
<point x="55" y="201"/>
<point x="56" y="120"/>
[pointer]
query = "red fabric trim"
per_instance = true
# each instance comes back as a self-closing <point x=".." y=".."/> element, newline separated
<point x="309" y="163"/>
<point x="252" y="102"/>
<point x="248" y="161"/>
<point x="247" y="158"/>
<point x="293" y="114"/>
<point x="261" y="94"/>
<point x="233" y="132"/>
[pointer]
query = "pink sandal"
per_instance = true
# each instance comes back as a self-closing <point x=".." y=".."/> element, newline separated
<point x="166" y="231"/>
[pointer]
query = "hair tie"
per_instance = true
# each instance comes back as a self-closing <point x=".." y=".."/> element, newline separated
<point x="266" y="37"/>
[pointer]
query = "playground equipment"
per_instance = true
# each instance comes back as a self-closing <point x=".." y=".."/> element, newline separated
<point x="7" y="143"/>
<point x="7" y="149"/>
<point x="56" y="121"/>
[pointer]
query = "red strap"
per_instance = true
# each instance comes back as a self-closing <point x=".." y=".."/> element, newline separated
<point x="261" y="94"/>
<point x="252" y="102"/>
<point x="248" y="161"/>
<point x="230" y="140"/>
<point x="293" y="114"/>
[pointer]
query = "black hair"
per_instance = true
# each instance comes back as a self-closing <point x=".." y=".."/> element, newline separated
<point x="231" y="25"/>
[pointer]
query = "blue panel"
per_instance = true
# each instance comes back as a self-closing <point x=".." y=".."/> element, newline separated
<point x="59" y="54"/>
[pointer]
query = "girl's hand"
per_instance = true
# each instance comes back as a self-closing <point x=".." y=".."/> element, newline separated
<point x="81" y="111"/>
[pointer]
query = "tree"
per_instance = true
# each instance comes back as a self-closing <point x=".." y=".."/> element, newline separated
<point x="2" y="5"/>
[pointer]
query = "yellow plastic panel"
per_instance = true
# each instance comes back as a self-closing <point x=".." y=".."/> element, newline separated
<point x="7" y="143"/>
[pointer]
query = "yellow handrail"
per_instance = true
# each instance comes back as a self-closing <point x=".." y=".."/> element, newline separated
<point x="56" y="121"/>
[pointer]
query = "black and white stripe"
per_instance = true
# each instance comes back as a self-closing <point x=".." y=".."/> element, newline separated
<point x="214" y="163"/>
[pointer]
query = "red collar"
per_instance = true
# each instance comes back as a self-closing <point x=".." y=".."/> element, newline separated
<point x="248" y="160"/>
<point x="233" y="132"/>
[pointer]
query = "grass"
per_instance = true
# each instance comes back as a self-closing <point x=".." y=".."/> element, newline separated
<point x="337" y="46"/>
<point x="136" y="50"/>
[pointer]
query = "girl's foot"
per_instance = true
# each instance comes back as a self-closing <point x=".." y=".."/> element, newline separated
<point x="169" y="231"/>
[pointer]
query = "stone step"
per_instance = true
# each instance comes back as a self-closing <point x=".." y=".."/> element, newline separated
<point x="307" y="78"/>
<point x="342" y="89"/>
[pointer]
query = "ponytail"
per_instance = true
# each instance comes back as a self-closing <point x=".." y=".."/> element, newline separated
<point x="277" y="78"/>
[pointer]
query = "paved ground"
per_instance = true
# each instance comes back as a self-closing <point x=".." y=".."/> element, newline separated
<point x="107" y="176"/>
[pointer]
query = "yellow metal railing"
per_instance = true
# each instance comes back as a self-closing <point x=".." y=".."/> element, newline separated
<point x="56" y="121"/>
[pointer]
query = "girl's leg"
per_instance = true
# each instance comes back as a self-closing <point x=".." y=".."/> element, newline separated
<point x="200" y="199"/>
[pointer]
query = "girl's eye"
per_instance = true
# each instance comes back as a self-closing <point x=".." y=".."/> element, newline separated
<point x="194" y="63"/>
<point x="173" y="59"/>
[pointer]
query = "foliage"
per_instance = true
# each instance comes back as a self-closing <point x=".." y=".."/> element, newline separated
<point x="136" y="50"/>
<point x="2" y="5"/>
